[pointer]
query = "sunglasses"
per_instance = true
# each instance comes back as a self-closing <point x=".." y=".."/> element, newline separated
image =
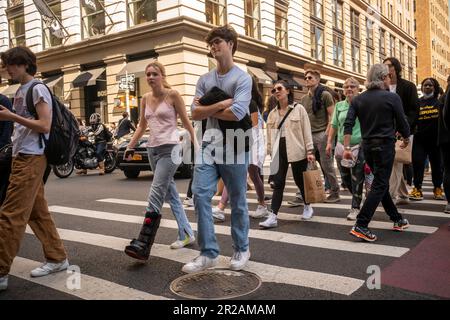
<point x="309" y="78"/>
<point x="277" y="89"/>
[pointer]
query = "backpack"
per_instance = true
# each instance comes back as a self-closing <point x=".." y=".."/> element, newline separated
<point x="64" y="134"/>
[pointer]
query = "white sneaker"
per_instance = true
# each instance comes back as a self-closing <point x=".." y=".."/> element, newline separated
<point x="3" y="283"/>
<point x="307" y="212"/>
<point x="218" y="214"/>
<point x="182" y="243"/>
<point x="49" y="267"/>
<point x="261" y="212"/>
<point x="199" y="264"/>
<point x="270" y="222"/>
<point x="188" y="202"/>
<point x="401" y="201"/>
<point x="239" y="260"/>
<point x="353" y="214"/>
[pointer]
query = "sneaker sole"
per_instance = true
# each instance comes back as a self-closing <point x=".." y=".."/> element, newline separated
<point x="46" y="274"/>
<point x="415" y="199"/>
<point x="400" y="228"/>
<point x="134" y="255"/>
<point x="266" y="227"/>
<point x="361" y="236"/>
<point x="351" y="219"/>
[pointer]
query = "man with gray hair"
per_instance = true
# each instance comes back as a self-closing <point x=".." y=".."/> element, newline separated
<point x="380" y="114"/>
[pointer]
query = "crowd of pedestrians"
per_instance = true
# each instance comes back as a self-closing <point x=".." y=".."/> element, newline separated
<point x="358" y="132"/>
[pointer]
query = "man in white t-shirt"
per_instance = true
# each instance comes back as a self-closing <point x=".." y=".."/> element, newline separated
<point x="25" y="202"/>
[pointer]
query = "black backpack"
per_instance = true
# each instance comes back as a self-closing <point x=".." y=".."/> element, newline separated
<point x="64" y="132"/>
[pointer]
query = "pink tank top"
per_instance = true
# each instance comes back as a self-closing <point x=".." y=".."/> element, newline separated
<point x="162" y="124"/>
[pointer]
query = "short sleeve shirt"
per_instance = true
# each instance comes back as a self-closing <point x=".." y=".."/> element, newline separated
<point x="24" y="139"/>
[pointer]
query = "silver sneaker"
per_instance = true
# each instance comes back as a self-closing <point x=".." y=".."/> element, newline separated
<point x="49" y="267"/>
<point x="261" y="212"/>
<point x="307" y="212"/>
<point x="218" y="214"/>
<point x="353" y="214"/>
<point x="199" y="264"/>
<point x="3" y="283"/>
<point x="239" y="260"/>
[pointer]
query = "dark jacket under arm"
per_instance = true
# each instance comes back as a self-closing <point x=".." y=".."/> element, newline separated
<point x="6" y="127"/>
<point x="410" y="100"/>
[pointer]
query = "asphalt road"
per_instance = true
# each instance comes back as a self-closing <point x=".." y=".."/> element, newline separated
<point x="298" y="260"/>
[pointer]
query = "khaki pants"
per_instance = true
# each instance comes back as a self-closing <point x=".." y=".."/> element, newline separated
<point x="397" y="183"/>
<point x="25" y="204"/>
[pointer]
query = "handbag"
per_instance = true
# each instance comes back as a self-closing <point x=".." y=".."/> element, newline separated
<point x="313" y="184"/>
<point x="403" y="155"/>
<point x="6" y="154"/>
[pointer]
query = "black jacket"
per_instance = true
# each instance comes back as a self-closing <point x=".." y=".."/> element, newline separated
<point x="410" y="100"/>
<point x="6" y="127"/>
<point x="444" y="122"/>
<point x="380" y="114"/>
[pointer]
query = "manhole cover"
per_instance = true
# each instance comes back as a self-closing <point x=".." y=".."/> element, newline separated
<point x="216" y="284"/>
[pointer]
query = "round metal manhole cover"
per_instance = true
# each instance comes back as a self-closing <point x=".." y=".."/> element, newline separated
<point x="216" y="284"/>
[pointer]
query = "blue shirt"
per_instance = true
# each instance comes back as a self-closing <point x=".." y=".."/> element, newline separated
<point x="236" y="83"/>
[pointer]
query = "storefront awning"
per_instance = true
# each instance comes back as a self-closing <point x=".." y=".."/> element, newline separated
<point x="87" y="78"/>
<point x="53" y="81"/>
<point x="135" y="67"/>
<point x="259" y="74"/>
<point x="290" y="80"/>
<point x="10" y="91"/>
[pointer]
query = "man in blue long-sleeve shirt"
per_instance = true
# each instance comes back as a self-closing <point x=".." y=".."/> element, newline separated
<point x="6" y="128"/>
<point x="380" y="114"/>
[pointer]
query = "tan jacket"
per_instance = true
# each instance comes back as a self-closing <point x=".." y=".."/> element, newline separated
<point x="298" y="133"/>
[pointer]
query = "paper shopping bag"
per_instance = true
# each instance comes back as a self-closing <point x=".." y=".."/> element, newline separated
<point x="403" y="155"/>
<point x="314" y="189"/>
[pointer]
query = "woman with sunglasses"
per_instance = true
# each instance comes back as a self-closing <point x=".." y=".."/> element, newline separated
<point x="290" y="143"/>
<point x="425" y="141"/>
<point x="352" y="177"/>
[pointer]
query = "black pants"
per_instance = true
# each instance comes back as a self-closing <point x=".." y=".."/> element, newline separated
<point x="279" y="179"/>
<point x="5" y="171"/>
<point x="445" y="150"/>
<point x="380" y="157"/>
<point x="422" y="149"/>
<point x="353" y="178"/>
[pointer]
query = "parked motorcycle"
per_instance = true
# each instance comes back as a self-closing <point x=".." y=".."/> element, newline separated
<point x="85" y="157"/>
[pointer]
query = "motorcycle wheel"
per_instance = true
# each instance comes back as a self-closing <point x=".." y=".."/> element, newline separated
<point x="64" y="170"/>
<point x="110" y="162"/>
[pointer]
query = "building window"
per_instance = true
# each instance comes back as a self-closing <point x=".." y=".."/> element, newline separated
<point x="317" y="9"/>
<point x="356" y="58"/>
<point x="410" y="63"/>
<point x="382" y="44"/>
<point x="338" y="50"/>
<point x="369" y="32"/>
<point x="402" y="53"/>
<point x="216" y="12"/>
<point x="354" y="20"/>
<point x="317" y="43"/>
<point x="338" y="14"/>
<point x="392" y="51"/>
<point x="370" y="58"/>
<point x="17" y="30"/>
<point x="281" y="23"/>
<point x="92" y="17"/>
<point x="141" y="11"/>
<point x="50" y="36"/>
<point x="252" y="18"/>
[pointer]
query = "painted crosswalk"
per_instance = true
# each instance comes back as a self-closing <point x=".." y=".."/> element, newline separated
<point x="127" y="211"/>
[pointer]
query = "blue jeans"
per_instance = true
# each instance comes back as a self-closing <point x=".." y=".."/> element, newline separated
<point x="204" y="187"/>
<point x="100" y="151"/>
<point x="164" y="188"/>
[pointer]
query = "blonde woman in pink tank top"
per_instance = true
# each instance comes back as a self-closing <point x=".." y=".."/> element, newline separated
<point x="159" y="110"/>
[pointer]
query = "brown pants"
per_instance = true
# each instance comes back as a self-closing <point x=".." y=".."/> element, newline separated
<point x="25" y="204"/>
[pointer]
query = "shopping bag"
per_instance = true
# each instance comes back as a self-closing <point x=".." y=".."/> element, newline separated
<point x="403" y="155"/>
<point x="314" y="189"/>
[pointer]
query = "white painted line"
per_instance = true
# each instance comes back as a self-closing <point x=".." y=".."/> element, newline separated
<point x="315" y="242"/>
<point x="268" y="273"/>
<point x="91" y="288"/>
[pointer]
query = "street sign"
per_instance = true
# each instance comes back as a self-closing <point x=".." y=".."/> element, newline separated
<point x="131" y="78"/>
<point x="125" y="86"/>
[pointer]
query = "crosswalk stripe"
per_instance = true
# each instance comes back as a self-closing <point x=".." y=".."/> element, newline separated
<point x="349" y="197"/>
<point x="297" y="217"/>
<point x="91" y="288"/>
<point x="268" y="273"/>
<point x="315" y="242"/>
<point x="424" y="213"/>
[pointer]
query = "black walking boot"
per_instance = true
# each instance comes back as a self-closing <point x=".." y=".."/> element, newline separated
<point x="140" y="248"/>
